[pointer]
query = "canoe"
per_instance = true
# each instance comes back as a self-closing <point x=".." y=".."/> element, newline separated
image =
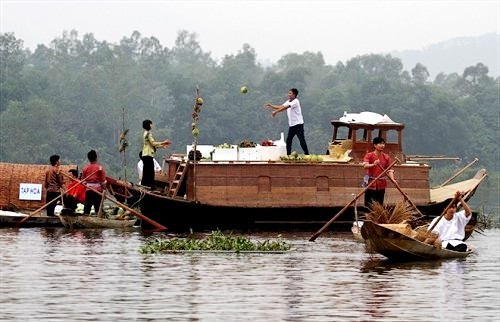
<point x="72" y="222"/>
<point x="395" y="242"/>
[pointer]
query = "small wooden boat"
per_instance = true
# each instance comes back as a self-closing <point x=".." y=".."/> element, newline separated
<point x="11" y="219"/>
<point x="396" y="242"/>
<point x="72" y="222"/>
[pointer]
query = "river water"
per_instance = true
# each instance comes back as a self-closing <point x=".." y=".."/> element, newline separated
<point x="55" y="274"/>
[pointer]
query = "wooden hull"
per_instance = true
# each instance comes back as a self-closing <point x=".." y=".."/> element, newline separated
<point x="179" y="214"/>
<point x="396" y="245"/>
<point x="94" y="222"/>
<point x="269" y="195"/>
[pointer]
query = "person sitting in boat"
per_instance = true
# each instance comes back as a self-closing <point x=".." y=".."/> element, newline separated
<point x="75" y="195"/>
<point x="451" y="228"/>
<point x="140" y="166"/>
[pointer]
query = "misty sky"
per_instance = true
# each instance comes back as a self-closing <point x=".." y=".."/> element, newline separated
<point x="339" y="29"/>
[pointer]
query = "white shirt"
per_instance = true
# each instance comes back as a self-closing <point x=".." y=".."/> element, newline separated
<point x="140" y="166"/>
<point x="451" y="231"/>
<point x="294" y="112"/>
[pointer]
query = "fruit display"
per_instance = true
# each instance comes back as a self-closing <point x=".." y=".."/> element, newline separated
<point x="267" y="143"/>
<point x="224" y="146"/>
<point x="296" y="157"/>
<point x="191" y="155"/>
<point x="247" y="144"/>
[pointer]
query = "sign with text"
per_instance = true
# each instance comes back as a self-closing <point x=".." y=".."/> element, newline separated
<point x="30" y="191"/>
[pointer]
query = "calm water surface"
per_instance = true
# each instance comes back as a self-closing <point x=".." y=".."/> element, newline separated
<point x="54" y="274"/>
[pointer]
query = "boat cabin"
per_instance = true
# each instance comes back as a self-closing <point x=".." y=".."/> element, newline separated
<point x="355" y="139"/>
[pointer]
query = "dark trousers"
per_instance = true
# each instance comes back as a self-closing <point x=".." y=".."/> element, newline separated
<point x="51" y="195"/>
<point x="91" y="199"/>
<point x="374" y="195"/>
<point x="148" y="172"/>
<point x="459" y="248"/>
<point x="296" y="130"/>
<point x="70" y="202"/>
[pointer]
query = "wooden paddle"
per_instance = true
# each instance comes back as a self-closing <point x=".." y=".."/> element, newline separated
<point x="402" y="192"/>
<point x="319" y="232"/>
<point x="135" y="212"/>
<point x="53" y="200"/>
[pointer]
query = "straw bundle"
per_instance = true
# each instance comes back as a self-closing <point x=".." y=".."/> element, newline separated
<point x="381" y="214"/>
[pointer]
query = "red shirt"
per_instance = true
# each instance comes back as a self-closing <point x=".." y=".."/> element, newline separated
<point x="98" y="178"/>
<point x="373" y="172"/>
<point x="78" y="192"/>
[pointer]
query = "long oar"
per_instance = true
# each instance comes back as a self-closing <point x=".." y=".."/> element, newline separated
<point x="135" y="212"/>
<point x="319" y="232"/>
<point x="402" y="192"/>
<point x="53" y="200"/>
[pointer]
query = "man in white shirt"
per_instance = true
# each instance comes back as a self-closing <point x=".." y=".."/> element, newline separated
<point x="451" y="228"/>
<point x="295" y="120"/>
<point x="140" y="166"/>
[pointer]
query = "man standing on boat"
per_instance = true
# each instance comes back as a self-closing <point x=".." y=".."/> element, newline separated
<point x="451" y="228"/>
<point x="295" y="120"/>
<point x="148" y="154"/>
<point x="95" y="179"/>
<point x="54" y="182"/>
<point x="140" y="166"/>
<point x="376" y="162"/>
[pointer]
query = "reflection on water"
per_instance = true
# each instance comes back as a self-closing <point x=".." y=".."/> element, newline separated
<point x="57" y="274"/>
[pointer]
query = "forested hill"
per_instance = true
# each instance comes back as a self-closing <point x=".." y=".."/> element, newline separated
<point x="80" y="93"/>
<point x="454" y="55"/>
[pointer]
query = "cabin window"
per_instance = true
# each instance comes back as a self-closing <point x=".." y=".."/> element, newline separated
<point x="341" y="133"/>
<point x="391" y="137"/>
<point x="361" y="135"/>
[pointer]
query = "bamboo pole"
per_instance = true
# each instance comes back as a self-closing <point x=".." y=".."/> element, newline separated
<point x="459" y="172"/>
<point x="319" y="232"/>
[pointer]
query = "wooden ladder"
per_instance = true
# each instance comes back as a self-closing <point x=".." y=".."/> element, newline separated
<point x="179" y="176"/>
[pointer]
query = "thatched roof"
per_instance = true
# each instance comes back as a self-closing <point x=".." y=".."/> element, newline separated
<point x="13" y="174"/>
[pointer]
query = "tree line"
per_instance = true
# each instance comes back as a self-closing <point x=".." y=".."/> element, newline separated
<point x="79" y="93"/>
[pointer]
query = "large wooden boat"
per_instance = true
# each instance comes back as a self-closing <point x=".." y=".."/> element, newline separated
<point x="285" y="194"/>
<point x="396" y="242"/>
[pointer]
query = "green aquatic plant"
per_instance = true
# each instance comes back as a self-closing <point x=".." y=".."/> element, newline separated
<point x="216" y="241"/>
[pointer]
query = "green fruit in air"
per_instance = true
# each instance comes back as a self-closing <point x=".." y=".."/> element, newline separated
<point x="199" y="101"/>
<point x="244" y="90"/>
<point x="195" y="132"/>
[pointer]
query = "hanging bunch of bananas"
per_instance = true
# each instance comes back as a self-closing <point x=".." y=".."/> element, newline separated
<point x="123" y="141"/>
